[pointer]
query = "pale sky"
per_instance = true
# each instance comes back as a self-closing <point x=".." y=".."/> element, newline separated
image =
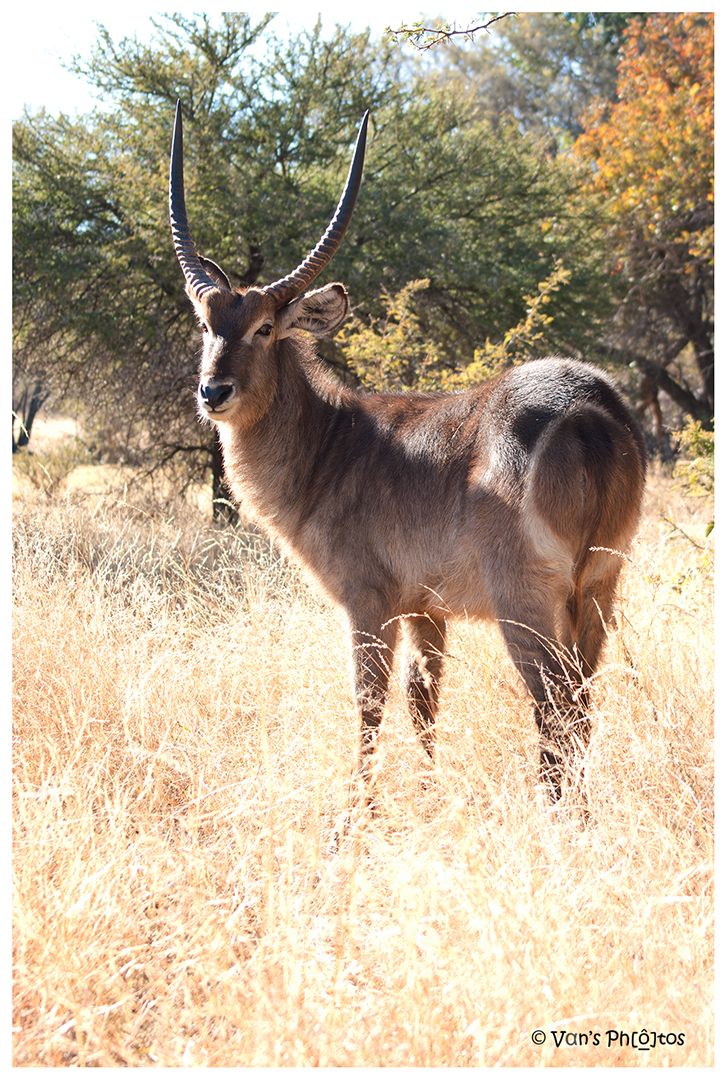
<point x="42" y="37"/>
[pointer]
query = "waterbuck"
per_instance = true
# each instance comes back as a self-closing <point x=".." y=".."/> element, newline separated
<point x="511" y="501"/>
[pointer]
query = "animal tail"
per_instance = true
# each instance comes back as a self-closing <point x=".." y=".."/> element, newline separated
<point x="586" y="484"/>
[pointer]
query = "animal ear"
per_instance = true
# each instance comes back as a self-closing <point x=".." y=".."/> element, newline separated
<point x="218" y="276"/>
<point x="320" y="311"/>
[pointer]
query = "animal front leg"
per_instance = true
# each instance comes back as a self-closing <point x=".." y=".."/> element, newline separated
<point x="372" y="656"/>
<point x="424" y="640"/>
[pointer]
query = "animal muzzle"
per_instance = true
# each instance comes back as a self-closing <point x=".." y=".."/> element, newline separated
<point x="215" y="397"/>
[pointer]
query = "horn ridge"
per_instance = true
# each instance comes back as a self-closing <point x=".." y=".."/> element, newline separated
<point x="290" y="286"/>
<point x="197" y="279"/>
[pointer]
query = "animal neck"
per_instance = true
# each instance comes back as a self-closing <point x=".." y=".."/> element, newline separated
<point x="269" y="465"/>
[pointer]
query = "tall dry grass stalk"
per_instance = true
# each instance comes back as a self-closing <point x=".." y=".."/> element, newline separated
<point x="183" y="740"/>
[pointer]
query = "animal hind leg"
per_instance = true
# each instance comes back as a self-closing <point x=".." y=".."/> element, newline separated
<point x="424" y="638"/>
<point x="595" y="613"/>
<point x="553" y="676"/>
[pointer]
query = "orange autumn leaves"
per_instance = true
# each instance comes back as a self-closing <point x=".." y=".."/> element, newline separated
<point x="652" y="152"/>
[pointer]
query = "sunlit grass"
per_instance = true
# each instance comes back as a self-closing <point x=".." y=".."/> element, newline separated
<point x="183" y="738"/>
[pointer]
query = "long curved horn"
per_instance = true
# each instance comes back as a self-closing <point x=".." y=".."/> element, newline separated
<point x="197" y="278"/>
<point x="318" y="258"/>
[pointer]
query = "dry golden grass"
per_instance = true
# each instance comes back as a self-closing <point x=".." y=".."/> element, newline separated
<point x="183" y="739"/>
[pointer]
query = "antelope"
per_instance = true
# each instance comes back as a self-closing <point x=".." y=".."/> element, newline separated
<point x="512" y="501"/>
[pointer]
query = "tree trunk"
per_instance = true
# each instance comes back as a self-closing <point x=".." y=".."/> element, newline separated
<point x="26" y="414"/>
<point x="680" y="395"/>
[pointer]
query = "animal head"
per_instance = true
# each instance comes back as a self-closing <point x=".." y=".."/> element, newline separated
<point x="242" y="327"/>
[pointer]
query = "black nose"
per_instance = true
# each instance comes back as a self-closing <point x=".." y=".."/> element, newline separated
<point x="213" y="396"/>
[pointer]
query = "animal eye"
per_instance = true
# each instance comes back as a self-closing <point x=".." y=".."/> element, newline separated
<point x="265" y="330"/>
<point x="203" y="328"/>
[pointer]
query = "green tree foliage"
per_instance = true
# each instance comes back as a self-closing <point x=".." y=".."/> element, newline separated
<point x="652" y="177"/>
<point x="101" y="315"/>
<point x="479" y="238"/>
<point x="396" y="352"/>
<point x="393" y="351"/>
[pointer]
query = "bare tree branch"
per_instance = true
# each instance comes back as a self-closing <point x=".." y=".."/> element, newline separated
<point x="415" y="35"/>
